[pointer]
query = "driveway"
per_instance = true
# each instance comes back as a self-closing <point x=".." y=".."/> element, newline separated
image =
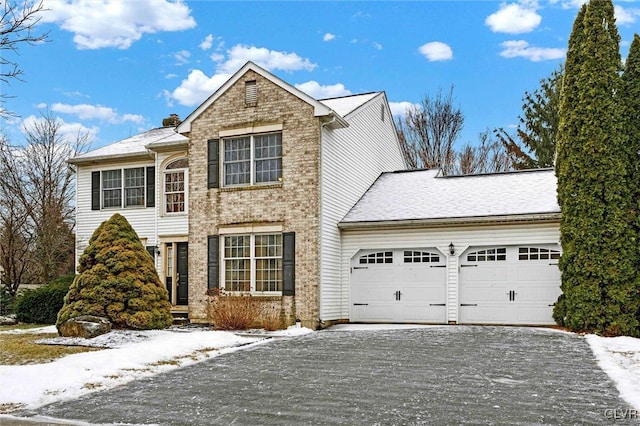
<point x="435" y="375"/>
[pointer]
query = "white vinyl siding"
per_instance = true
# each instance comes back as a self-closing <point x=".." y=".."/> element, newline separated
<point x="525" y="235"/>
<point x="351" y="160"/>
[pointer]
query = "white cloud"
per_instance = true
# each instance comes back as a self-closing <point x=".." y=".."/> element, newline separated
<point x="328" y="37"/>
<point x="399" y="109"/>
<point x="182" y="57"/>
<point x="170" y="75"/>
<point x="569" y="4"/>
<point x="514" y="18"/>
<point x="239" y="54"/>
<point x="115" y="23"/>
<point x="377" y="46"/>
<point x="198" y="86"/>
<point x="626" y="16"/>
<point x="207" y="42"/>
<point x="436" y="51"/>
<point x="217" y="57"/>
<point x="96" y="112"/>
<point x="318" y="91"/>
<point x="522" y="49"/>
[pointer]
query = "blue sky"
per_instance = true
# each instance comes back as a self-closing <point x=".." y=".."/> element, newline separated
<point x="114" y="69"/>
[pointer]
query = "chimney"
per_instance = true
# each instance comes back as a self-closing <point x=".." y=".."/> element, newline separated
<point x="172" y="121"/>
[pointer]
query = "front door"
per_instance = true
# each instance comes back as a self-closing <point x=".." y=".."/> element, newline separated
<point x="182" y="274"/>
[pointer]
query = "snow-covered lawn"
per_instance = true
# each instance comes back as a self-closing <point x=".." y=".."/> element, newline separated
<point x="619" y="357"/>
<point x="132" y="355"/>
<point x="129" y="355"/>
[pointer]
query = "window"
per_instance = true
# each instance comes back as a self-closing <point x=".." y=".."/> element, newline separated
<point x="134" y="187"/>
<point x="420" y="257"/>
<point x="253" y="159"/>
<point x="174" y="186"/>
<point x="253" y="263"/>
<point x="122" y="188"/>
<point x="488" y="255"/>
<point x="379" y="257"/>
<point x="535" y="253"/>
<point x="111" y="189"/>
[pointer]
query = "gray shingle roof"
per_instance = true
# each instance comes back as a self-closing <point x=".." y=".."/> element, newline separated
<point x="425" y="195"/>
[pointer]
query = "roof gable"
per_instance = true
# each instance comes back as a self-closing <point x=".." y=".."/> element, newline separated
<point x="320" y="109"/>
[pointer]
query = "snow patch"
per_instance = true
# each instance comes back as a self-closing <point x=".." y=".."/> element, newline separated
<point x="619" y="357"/>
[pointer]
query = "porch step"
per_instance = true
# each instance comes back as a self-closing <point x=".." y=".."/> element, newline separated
<point x="180" y="318"/>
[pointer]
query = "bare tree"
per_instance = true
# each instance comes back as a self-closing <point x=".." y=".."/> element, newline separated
<point x="39" y="179"/>
<point x="17" y="26"/>
<point x="490" y="156"/>
<point x="428" y="132"/>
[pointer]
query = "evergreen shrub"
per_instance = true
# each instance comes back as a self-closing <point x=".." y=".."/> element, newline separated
<point x="118" y="280"/>
<point x="41" y="305"/>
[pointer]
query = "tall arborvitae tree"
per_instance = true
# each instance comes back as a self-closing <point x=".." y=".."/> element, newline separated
<point x="118" y="281"/>
<point x="593" y="189"/>
<point x="630" y="95"/>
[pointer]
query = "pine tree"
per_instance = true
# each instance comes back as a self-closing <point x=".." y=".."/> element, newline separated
<point x="630" y="95"/>
<point x="593" y="189"/>
<point x="118" y="280"/>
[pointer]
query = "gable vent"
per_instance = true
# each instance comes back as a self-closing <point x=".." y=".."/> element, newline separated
<point x="251" y="93"/>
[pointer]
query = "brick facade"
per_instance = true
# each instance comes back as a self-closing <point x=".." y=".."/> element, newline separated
<point x="292" y="203"/>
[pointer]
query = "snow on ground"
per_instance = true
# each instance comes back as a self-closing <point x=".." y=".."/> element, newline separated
<point x="619" y="357"/>
<point x="128" y="355"/>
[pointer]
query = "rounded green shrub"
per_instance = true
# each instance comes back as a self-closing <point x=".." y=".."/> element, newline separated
<point x="41" y="305"/>
<point x="118" y="280"/>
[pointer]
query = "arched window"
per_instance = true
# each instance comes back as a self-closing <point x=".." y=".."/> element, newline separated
<point x="175" y="184"/>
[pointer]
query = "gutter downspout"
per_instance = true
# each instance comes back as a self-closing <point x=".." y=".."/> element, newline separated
<point x="156" y="208"/>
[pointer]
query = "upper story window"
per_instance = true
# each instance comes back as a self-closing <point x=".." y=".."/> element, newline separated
<point x="132" y="186"/>
<point x="253" y="159"/>
<point x="118" y="188"/>
<point x="175" y="184"/>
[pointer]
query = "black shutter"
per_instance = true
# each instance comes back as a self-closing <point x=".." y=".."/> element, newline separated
<point x="288" y="263"/>
<point x="213" y="263"/>
<point x="213" y="171"/>
<point x="95" y="190"/>
<point x="151" y="186"/>
<point x="152" y="251"/>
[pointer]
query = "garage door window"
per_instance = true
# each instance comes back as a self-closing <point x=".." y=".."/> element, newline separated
<point x="488" y="255"/>
<point x="420" y="257"/>
<point x="536" y="253"/>
<point x="379" y="257"/>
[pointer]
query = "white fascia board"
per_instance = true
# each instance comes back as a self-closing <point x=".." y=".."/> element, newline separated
<point x="462" y="221"/>
<point x="320" y="109"/>
<point x="103" y="158"/>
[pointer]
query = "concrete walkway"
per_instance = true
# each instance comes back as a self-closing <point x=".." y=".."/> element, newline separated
<point x="435" y="375"/>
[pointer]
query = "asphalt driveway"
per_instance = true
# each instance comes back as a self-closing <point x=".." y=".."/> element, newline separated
<point x="437" y="375"/>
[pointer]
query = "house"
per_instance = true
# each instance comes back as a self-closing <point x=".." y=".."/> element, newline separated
<point x="267" y="174"/>
<point x="306" y="205"/>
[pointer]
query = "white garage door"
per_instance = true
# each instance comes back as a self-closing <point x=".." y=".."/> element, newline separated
<point x="509" y="285"/>
<point x="406" y="285"/>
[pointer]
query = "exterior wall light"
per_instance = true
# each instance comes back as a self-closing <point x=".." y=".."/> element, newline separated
<point x="452" y="248"/>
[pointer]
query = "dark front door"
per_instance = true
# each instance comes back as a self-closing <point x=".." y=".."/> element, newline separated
<point x="182" y="277"/>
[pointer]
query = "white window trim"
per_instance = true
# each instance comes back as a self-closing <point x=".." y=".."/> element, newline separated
<point x="252" y="265"/>
<point x="123" y="189"/>
<point x="252" y="159"/>
<point x="186" y="192"/>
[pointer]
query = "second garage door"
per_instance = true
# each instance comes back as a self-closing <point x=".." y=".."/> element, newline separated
<point x="406" y="285"/>
<point x="509" y="285"/>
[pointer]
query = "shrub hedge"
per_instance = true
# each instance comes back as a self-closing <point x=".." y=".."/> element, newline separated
<point x="41" y="305"/>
